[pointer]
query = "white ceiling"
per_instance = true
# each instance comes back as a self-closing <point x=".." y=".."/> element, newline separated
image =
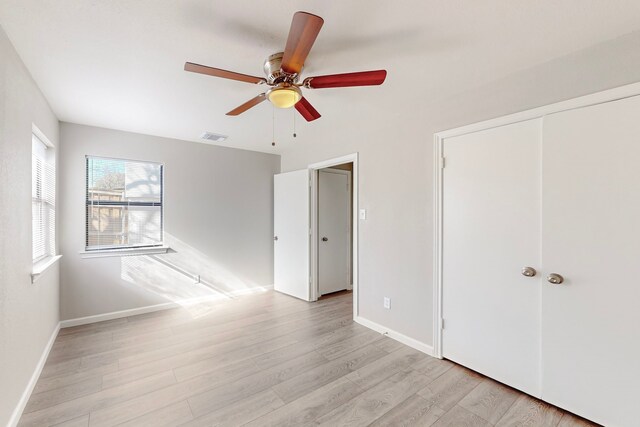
<point x="119" y="63"/>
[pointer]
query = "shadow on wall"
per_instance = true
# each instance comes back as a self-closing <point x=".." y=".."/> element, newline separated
<point x="187" y="277"/>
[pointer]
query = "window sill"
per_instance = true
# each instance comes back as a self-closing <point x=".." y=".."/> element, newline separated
<point x="124" y="252"/>
<point x="42" y="266"/>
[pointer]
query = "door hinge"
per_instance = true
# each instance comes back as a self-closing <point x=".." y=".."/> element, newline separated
<point x="442" y="162"/>
<point x="442" y="323"/>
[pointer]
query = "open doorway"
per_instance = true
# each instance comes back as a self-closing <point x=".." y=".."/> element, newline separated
<point x="334" y="243"/>
<point x="334" y="250"/>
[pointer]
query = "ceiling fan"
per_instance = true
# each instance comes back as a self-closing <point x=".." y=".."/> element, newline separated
<point x="283" y="72"/>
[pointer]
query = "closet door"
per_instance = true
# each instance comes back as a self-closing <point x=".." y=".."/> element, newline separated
<point x="591" y="237"/>
<point x="491" y="231"/>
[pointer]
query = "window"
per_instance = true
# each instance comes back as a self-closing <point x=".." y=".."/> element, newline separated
<point x="43" y="199"/>
<point x="124" y="204"/>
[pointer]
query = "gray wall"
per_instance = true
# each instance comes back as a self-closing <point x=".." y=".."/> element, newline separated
<point x="396" y="165"/>
<point x="218" y="213"/>
<point x="28" y="312"/>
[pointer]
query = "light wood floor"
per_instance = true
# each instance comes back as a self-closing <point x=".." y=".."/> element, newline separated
<point x="263" y="360"/>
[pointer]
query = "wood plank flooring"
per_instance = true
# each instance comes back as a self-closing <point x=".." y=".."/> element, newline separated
<point x="264" y="360"/>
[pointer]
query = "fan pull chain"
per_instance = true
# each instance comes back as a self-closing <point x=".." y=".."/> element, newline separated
<point x="273" y="126"/>
<point x="294" y="123"/>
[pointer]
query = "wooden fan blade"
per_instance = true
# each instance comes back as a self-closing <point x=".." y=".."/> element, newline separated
<point x="363" y="78"/>
<point x="302" y="34"/>
<point x="306" y="110"/>
<point x="217" y="72"/>
<point x="250" y="103"/>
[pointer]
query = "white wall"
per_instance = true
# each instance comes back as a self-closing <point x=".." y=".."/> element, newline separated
<point x="218" y="213"/>
<point x="395" y="142"/>
<point x="28" y="312"/>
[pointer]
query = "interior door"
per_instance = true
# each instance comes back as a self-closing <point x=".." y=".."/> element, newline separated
<point x="291" y="233"/>
<point x="591" y="237"/>
<point x="334" y="215"/>
<point x="491" y="231"/>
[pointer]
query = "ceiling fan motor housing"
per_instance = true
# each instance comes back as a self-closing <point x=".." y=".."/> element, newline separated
<point x="274" y="73"/>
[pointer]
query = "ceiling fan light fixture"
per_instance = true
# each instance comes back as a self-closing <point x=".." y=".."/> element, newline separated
<point x="285" y="96"/>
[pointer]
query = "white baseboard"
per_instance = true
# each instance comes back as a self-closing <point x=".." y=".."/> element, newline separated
<point x="22" y="403"/>
<point x="413" y="343"/>
<point x="164" y="306"/>
<point x="116" y="315"/>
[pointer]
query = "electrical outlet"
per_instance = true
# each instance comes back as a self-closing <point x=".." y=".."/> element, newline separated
<point x="387" y="303"/>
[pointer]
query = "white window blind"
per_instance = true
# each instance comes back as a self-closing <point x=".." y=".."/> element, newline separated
<point x="124" y="204"/>
<point x="43" y="200"/>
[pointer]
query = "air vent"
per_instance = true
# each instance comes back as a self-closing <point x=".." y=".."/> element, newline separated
<point x="215" y="137"/>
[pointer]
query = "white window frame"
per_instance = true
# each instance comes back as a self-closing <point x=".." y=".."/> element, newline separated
<point x="123" y="250"/>
<point x="49" y="257"/>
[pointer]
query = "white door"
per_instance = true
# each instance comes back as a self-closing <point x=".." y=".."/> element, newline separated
<point x="291" y="233"/>
<point x="334" y="216"/>
<point x="591" y="237"/>
<point x="491" y="230"/>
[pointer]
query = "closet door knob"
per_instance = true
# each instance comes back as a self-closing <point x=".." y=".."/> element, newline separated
<point x="529" y="271"/>
<point x="555" y="279"/>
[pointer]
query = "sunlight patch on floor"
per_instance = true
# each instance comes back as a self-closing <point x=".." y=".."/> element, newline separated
<point x="186" y="277"/>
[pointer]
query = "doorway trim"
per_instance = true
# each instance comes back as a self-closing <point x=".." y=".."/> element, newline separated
<point x="439" y="138"/>
<point x="313" y="262"/>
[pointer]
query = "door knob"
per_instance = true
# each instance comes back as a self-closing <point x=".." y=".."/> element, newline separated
<point x="529" y="271"/>
<point x="324" y="239"/>
<point x="275" y="238"/>
<point x="555" y="279"/>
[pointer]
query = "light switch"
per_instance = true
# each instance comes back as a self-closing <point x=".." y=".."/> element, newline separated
<point x="363" y="214"/>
